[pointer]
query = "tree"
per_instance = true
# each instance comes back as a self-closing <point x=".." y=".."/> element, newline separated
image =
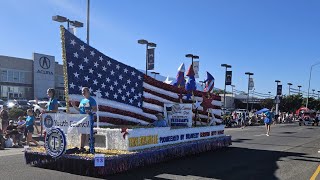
<point x="267" y="103"/>
<point x="291" y="103"/>
<point x="312" y="103"/>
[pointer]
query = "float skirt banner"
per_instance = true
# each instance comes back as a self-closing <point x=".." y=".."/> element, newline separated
<point x="67" y="122"/>
<point x="178" y="114"/>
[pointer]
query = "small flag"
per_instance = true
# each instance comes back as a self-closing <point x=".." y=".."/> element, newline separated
<point x="180" y="82"/>
<point x="191" y="83"/>
<point x="209" y="83"/>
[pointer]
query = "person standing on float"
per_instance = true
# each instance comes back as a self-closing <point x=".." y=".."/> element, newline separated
<point x="52" y="105"/>
<point x="87" y="106"/>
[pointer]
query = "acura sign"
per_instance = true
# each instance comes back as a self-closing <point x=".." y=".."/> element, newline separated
<point x="44" y="74"/>
<point x="44" y="62"/>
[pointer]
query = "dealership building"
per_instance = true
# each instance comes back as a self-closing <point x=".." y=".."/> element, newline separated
<point x="30" y="78"/>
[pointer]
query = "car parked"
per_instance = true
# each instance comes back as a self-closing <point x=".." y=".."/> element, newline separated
<point x="41" y="106"/>
<point x="1" y="103"/>
<point x="21" y="104"/>
<point x="308" y="118"/>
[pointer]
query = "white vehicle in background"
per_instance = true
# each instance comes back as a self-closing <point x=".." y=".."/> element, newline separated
<point x="41" y="106"/>
<point x="1" y="103"/>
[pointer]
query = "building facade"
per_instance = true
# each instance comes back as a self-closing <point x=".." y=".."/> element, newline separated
<point x="30" y="78"/>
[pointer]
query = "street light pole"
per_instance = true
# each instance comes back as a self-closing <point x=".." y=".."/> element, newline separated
<point x="62" y="19"/>
<point x="289" y="84"/>
<point x="249" y="74"/>
<point x="299" y="88"/>
<point x="88" y="15"/>
<point x="252" y="98"/>
<point x="277" y="97"/>
<point x="232" y="86"/>
<point x="192" y="56"/>
<point x="225" y="85"/>
<point x="313" y="92"/>
<point x="155" y="74"/>
<point x="310" y="81"/>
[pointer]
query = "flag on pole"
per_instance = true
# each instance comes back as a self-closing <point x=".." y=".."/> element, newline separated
<point x="209" y="83"/>
<point x="128" y="96"/>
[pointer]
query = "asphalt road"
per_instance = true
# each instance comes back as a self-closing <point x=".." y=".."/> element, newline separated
<point x="291" y="152"/>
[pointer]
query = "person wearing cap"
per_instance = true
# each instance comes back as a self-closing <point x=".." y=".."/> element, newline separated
<point x="12" y="132"/>
<point x="160" y="122"/>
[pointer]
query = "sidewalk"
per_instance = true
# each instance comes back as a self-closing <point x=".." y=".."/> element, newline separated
<point x="19" y="150"/>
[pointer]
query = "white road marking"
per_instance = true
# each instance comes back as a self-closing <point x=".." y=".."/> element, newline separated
<point x="260" y="135"/>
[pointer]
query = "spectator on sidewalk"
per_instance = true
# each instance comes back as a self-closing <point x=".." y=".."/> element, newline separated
<point x="2" y="140"/>
<point x="21" y="129"/>
<point x="4" y="116"/>
<point x="13" y="133"/>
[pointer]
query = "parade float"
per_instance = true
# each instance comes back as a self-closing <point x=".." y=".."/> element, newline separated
<point x="122" y="137"/>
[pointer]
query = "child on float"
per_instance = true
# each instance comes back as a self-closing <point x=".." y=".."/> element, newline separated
<point x="29" y="124"/>
<point x="52" y="105"/>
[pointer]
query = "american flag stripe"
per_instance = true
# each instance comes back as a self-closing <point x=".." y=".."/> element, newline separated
<point x="152" y="104"/>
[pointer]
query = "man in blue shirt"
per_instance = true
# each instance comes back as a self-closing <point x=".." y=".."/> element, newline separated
<point x="87" y="106"/>
<point x="161" y="122"/>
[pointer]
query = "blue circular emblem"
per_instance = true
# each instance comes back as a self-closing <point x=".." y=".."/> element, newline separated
<point x="55" y="142"/>
<point x="48" y="121"/>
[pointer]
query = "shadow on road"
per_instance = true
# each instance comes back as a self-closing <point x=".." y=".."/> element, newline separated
<point x="239" y="140"/>
<point x="228" y="163"/>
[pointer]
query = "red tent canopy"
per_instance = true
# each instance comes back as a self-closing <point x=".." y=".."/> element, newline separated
<point x="302" y="109"/>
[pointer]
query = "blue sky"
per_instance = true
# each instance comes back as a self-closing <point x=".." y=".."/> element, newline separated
<point x="271" y="38"/>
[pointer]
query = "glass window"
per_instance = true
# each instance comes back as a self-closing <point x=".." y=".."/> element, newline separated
<point x="10" y="76"/>
<point x="4" y="75"/>
<point x="15" y="89"/>
<point x="22" y="77"/>
<point x="15" y="76"/>
<point x="4" y="91"/>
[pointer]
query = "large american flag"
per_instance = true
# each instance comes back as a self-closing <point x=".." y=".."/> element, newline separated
<point x="128" y="96"/>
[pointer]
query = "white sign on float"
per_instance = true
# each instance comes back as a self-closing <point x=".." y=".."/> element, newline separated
<point x="99" y="160"/>
<point x="68" y="123"/>
<point x="178" y="114"/>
